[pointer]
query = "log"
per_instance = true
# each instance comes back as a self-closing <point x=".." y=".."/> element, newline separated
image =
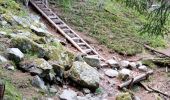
<point x="154" y="50"/>
<point x="136" y="79"/>
<point x="150" y="89"/>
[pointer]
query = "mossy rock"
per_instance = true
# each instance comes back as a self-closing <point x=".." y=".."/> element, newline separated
<point x="149" y="63"/>
<point x="85" y="75"/>
<point x="124" y="96"/>
<point x="50" y="52"/>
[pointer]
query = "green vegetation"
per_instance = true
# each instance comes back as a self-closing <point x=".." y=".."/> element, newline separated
<point x="111" y="23"/>
<point x="11" y="92"/>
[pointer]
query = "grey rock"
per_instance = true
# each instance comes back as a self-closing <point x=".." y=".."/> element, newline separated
<point x="124" y="74"/>
<point x="111" y="73"/>
<point x="124" y="63"/>
<point x="39" y="31"/>
<point x="143" y="68"/>
<point x="3" y="59"/>
<point x="36" y="66"/>
<point x="82" y="98"/>
<point x="139" y="63"/>
<point x="10" y="67"/>
<point x="125" y="71"/>
<point x="113" y="63"/>
<point x="25" y="22"/>
<point x="79" y="57"/>
<point x="132" y="65"/>
<point x="84" y="75"/>
<point x="136" y="98"/>
<point x="86" y="90"/>
<point x="38" y="82"/>
<point x="53" y="90"/>
<point x="15" y="54"/>
<point x="68" y="95"/>
<point x="93" y="61"/>
<point x="3" y="23"/>
<point x="2" y="33"/>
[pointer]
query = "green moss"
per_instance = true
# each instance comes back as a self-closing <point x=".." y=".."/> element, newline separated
<point x="149" y="63"/>
<point x="11" y="92"/>
<point x="123" y="96"/>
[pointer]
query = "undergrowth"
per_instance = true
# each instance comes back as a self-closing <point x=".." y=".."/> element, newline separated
<point x="111" y="23"/>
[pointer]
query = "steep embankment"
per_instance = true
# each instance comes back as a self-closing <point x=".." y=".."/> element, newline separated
<point x="111" y="23"/>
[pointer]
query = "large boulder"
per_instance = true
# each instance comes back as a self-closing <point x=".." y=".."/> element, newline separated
<point x="36" y="66"/>
<point x="15" y="54"/>
<point x="84" y="75"/>
<point x="93" y="61"/>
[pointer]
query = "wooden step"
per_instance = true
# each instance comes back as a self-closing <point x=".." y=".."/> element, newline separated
<point x="71" y="35"/>
<point x="48" y="12"/>
<point x="76" y="38"/>
<point x="57" y="21"/>
<point x="82" y="43"/>
<point x="38" y="2"/>
<point x="67" y="30"/>
<point x="88" y="51"/>
<point x="52" y="16"/>
<point x="63" y="26"/>
<point x="45" y="9"/>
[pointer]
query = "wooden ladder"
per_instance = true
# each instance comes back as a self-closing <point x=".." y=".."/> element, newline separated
<point x="64" y="29"/>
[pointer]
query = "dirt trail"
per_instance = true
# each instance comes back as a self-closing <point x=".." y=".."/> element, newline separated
<point x="159" y="80"/>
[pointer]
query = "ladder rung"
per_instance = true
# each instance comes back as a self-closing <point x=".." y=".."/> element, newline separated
<point x="52" y="16"/>
<point x="38" y="2"/>
<point x="62" y="26"/>
<point x="88" y="50"/>
<point x="45" y="9"/>
<point x="81" y="43"/>
<point x="76" y="38"/>
<point x="57" y="21"/>
<point x="66" y="30"/>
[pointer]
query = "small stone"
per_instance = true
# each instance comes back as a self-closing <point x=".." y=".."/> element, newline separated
<point x="139" y="63"/>
<point x="125" y="71"/>
<point x="52" y="90"/>
<point x="50" y="99"/>
<point x="132" y="65"/>
<point x="113" y="63"/>
<point x="38" y="82"/>
<point x="2" y="33"/>
<point x="86" y="90"/>
<point x="10" y="67"/>
<point x="3" y="59"/>
<point x="15" y="54"/>
<point x="143" y="68"/>
<point x="111" y="73"/>
<point x="68" y="95"/>
<point x="136" y="98"/>
<point x="124" y="63"/>
<point x="93" y="61"/>
<point x="81" y="98"/>
<point x="124" y="74"/>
